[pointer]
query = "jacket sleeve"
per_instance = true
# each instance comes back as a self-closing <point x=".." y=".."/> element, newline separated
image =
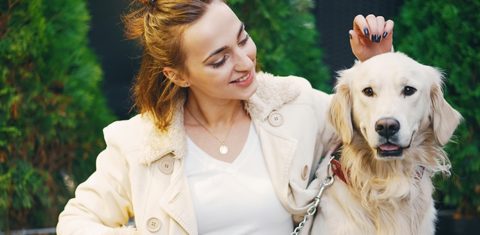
<point x="102" y="204"/>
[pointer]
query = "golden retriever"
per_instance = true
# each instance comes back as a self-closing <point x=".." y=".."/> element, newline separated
<point x="393" y="121"/>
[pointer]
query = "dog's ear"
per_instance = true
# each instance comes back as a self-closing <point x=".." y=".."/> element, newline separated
<point x="341" y="112"/>
<point x="445" y="119"/>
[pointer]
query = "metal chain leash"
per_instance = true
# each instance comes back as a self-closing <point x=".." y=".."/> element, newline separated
<point x="312" y="209"/>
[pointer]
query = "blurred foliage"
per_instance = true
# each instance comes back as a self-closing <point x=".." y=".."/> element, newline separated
<point x="286" y="38"/>
<point x="445" y="33"/>
<point x="51" y="108"/>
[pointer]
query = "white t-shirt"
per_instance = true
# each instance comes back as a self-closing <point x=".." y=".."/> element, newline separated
<point x="235" y="198"/>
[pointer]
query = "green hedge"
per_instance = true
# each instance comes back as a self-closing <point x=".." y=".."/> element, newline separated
<point x="51" y="108"/>
<point x="446" y="34"/>
<point x="286" y="38"/>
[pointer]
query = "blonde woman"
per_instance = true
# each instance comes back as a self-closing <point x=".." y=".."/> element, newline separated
<point x="217" y="147"/>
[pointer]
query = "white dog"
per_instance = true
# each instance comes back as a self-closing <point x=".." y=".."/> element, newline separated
<point x="393" y="121"/>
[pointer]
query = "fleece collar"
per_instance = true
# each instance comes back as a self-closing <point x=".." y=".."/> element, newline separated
<point x="272" y="93"/>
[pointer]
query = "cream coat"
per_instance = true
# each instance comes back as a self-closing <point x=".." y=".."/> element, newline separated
<point x="140" y="174"/>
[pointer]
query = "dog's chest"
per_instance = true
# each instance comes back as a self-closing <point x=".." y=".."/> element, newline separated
<point x="344" y="213"/>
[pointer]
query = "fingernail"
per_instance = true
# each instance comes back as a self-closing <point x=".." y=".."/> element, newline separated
<point x="365" y="32"/>
<point x="379" y="38"/>
<point x="385" y="34"/>
<point x="350" y="35"/>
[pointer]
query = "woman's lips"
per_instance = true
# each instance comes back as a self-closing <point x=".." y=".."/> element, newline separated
<point x="243" y="81"/>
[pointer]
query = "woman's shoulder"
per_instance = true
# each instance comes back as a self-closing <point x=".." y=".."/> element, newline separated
<point x="274" y="92"/>
<point x="287" y="89"/>
<point x="135" y="124"/>
<point x="280" y="89"/>
<point x="129" y="133"/>
<point x="280" y="83"/>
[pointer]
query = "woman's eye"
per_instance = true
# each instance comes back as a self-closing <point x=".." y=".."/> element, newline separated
<point x="368" y="92"/>
<point x="219" y="63"/>
<point x="244" y="41"/>
<point x="408" y="91"/>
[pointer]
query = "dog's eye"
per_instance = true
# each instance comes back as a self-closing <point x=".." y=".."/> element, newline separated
<point x="368" y="92"/>
<point x="408" y="91"/>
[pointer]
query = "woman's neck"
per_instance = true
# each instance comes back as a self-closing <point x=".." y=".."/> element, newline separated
<point x="214" y="113"/>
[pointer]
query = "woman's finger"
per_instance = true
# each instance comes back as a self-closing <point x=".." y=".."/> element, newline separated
<point x="373" y="27"/>
<point x="388" y="30"/>
<point x="360" y="26"/>
<point x="381" y="26"/>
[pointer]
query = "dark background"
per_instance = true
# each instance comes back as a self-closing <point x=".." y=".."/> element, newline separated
<point x="335" y="18"/>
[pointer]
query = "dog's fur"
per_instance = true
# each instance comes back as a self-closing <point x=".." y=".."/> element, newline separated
<point x="387" y="193"/>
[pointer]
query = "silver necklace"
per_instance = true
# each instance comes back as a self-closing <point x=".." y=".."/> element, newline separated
<point x="223" y="149"/>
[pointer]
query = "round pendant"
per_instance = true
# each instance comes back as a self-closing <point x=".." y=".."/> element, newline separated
<point x="223" y="149"/>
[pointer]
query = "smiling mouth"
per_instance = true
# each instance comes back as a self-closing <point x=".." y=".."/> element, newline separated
<point x="242" y="79"/>
<point x="389" y="150"/>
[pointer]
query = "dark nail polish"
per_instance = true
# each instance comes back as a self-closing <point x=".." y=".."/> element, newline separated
<point x="372" y="38"/>
<point x="365" y="32"/>
<point x="385" y="34"/>
<point x="379" y="38"/>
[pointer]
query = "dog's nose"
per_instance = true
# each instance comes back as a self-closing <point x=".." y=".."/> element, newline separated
<point x="387" y="127"/>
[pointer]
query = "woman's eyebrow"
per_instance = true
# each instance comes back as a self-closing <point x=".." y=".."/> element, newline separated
<point x="242" y="27"/>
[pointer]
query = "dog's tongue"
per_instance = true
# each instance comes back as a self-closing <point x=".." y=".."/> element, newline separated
<point x="388" y="147"/>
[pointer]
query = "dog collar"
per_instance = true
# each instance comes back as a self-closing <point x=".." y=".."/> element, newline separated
<point x="335" y="164"/>
<point x="337" y="170"/>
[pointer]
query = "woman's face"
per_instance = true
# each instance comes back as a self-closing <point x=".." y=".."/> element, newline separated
<point x="220" y="55"/>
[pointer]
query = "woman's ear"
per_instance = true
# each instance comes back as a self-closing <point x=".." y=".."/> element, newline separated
<point x="175" y="76"/>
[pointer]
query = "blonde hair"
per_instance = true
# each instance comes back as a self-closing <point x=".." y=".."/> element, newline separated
<point x="159" y="25"/>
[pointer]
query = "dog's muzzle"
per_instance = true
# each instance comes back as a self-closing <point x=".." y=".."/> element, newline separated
<point x="388" y="128"/>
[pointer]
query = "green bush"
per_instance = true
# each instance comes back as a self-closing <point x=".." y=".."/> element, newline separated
<point x="51" y="108"/>
<point x="445" y="33"/>
<point x="286" y="38"/>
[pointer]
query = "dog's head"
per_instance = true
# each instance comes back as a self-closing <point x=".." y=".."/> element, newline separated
<point x="389" y="99"/>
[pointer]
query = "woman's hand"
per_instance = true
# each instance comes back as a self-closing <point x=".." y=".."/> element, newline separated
<point x="371" y="36"/>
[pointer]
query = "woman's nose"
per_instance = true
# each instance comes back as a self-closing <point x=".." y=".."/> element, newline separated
<point x="244" y="61"/>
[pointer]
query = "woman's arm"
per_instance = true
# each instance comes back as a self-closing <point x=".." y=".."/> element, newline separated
<point x="371" y="36"/>
<point x="102" y="204"/>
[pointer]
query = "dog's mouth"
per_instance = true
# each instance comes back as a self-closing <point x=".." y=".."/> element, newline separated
<point x="389" y="150"/>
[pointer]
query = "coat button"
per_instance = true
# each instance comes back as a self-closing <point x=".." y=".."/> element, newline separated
<point x="275" y="119"/>
<point x="166" y="164"/>
<point x="153" y="225"/>
<point x="305" y="172"/>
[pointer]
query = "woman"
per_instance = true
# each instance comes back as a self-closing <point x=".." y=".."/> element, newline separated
<point x="217" y="148"/>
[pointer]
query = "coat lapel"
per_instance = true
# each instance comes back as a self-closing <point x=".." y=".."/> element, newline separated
<point x="278" y="152"/>
<point x="176" y="197"/>
<point x="178" y="202"/>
